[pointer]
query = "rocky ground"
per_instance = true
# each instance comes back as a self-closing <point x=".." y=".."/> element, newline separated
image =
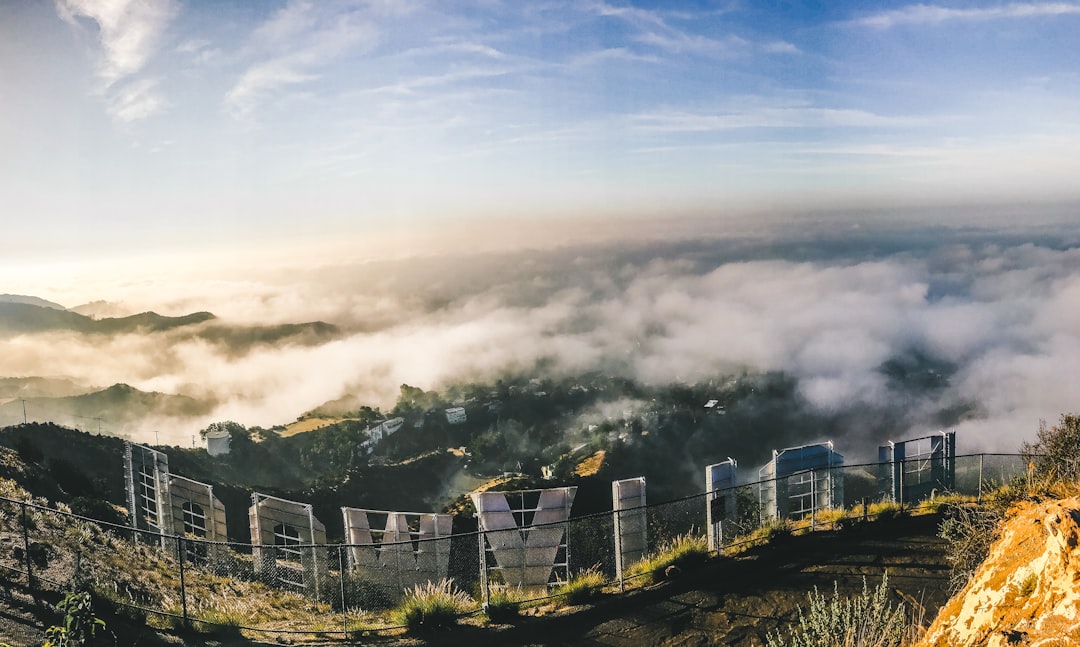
<point x="730" y="601"/>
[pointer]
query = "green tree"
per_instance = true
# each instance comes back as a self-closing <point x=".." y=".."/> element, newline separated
<point x="1055" y="454"/>
<point x="233" y="429"/>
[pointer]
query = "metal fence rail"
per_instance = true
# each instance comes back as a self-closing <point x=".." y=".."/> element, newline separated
<point x="339" y="590"/>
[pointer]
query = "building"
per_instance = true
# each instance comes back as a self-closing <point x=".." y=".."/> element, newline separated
<point x="456" y="415"/>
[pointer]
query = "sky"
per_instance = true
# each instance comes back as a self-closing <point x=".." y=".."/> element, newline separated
<point x="156" y="127"/>
<point x="669" y="191"/>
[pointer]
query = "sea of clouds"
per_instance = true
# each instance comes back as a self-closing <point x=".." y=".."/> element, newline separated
<point x="829" y="306"/>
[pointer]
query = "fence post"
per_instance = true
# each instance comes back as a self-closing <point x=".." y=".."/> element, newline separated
<point x="341" y="578"/>
<point x="813" y="500"/>
<point x="26" y="547"/>
<point x="979" y="497"/>
<point x="183" y="587"/>
<point x="900" y="490"/>
<point x="483" y="566"/>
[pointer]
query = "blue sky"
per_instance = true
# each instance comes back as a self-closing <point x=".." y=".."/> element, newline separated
<point x="169" y="125"/>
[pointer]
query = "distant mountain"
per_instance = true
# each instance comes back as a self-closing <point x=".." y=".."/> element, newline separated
<point x="33" y="301"/>
<point x="101" y="309"/>
<point x="12" y="388"/>
<point x="20" y="318"/>
<point x="119" y="406"/>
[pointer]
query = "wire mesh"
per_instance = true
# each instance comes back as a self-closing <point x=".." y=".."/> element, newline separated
<point x="341" y="590"/>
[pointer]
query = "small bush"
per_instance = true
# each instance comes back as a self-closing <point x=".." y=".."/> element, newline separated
<point x="944" y="502"/>
<point x="80" y="624"/>
<point x="504" y="604"/>
<point x="1027" y="587"/>
<point x="883" y="510"/>
<point x="969" y="531"/>
<point x="582" y="587"/>
<point x="774" y="531"/>
<point x="864" y="620"/>
<point x="679" y="552"/>
<point x="432" y="605"/>
<point x="1055" y="454"/>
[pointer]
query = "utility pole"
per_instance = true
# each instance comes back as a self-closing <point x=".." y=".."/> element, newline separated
<point x="24" y="412"/>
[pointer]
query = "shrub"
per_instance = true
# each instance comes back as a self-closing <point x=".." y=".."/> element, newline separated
<point x="582" y="587"/>
<point x="1055" y="454"/>
<point x="80" y="624"/>
<point x="504" y="604"/>
<point x="673" y="556"/>
<point x="863" y="620"/>
<point x="883" y="510"/>
<point x="432" y="605"/>
<point x="969" y="531"/>
<point x="1027" y="587"/>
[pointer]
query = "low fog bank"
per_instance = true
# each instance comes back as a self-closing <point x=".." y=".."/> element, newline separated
<point x="975" y="320"/>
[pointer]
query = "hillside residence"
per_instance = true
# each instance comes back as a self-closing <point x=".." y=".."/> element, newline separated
<point x="456" y="416"/>
<point x="377" y="433"/>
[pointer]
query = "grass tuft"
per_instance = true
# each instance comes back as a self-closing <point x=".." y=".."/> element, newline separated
<point x="581" y="588"/>
<point x="432" y="605"/>
<point x="673" y="557"/>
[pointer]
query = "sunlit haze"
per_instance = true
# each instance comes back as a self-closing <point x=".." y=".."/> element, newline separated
<point x="134" y="125"/>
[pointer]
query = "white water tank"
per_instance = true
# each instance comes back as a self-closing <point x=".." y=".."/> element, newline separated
<point x="217" y="442"/>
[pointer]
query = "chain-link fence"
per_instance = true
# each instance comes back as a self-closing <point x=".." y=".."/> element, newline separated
<point x="343" y="590"/>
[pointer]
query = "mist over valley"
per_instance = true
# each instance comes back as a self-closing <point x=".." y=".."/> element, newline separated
<point x="864" y="333"/>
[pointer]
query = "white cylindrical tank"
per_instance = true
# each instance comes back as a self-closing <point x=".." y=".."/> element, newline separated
<point x="217" y="442"/>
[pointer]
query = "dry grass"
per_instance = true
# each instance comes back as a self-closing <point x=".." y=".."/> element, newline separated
<point x="308" y="424"/>
<point x="672" y="557"/>
<point x="582" y="587"/>
<point x="432" y="605"/>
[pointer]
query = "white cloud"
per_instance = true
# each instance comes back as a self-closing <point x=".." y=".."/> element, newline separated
<point x="768" y="117"/>
<point x="1007" y="324"/>
<point x="781" y="47"/>
<point x="130" y="31"/>
<point x="292" y="47"/>
<point x="924" y="14"/>
<point x="135" y="100"/>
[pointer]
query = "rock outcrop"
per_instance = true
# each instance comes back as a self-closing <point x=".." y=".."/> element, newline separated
<point x="1027" y="592"/>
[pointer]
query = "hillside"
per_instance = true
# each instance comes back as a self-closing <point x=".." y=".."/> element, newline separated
<point x="1025" y="592"/>
<point x="22" y="318"/>
<point x="34" y="301"/>
<point x="113" y="410"/>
